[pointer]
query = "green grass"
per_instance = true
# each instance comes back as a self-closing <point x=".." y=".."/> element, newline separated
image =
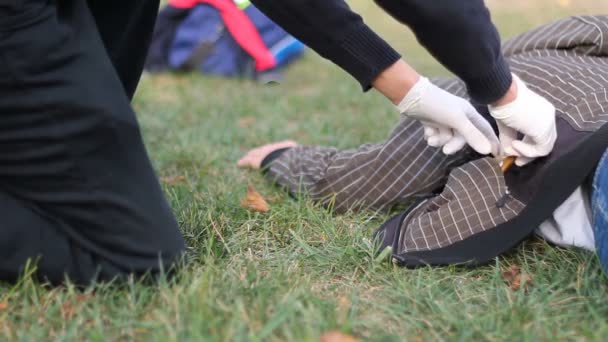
<point x="298" y="270"/>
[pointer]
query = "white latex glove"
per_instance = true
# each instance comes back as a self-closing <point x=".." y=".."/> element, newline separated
<point x="449" y="121"/>
<point x="533" y="116"/>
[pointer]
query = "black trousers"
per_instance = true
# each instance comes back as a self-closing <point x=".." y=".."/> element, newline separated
<point x="78" y="194"/>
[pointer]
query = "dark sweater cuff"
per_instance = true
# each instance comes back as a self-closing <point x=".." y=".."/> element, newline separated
<point x="369" y="55"/>
<point x="493" y="85"/>
<point x="270" y="158"/>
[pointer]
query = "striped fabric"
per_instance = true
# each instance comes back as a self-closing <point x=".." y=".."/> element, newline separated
<point x="565" y="61"/>
<point x="469" y="204"/>
<point x="377" y="176"/>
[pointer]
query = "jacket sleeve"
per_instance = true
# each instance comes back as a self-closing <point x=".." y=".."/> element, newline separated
<point x="335" y="32"/>
<point x="459" y="34"/>
<point x="462" y="37"/>
<point x="372" y="176"/>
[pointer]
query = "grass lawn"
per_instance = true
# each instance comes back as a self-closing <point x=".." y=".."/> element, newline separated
<point x="298" y="271"/>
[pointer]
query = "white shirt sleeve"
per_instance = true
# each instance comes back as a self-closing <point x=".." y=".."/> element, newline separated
<point x="570" y="224"/>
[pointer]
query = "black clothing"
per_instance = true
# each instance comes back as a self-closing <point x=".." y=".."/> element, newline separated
<point x="459" y="34"/>
<point x="77" y="191"/>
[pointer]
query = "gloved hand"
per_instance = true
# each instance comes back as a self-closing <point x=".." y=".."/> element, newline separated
<point x="449" y="121"/>
<point x="533" y="116"/>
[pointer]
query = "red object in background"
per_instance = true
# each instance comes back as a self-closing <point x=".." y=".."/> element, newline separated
<point x="240" y="27"/>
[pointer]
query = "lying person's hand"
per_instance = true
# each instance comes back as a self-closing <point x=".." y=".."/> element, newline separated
<point x="449" y="121"/>
<point x="533" y="116"/>
<point x="253" y="159"/>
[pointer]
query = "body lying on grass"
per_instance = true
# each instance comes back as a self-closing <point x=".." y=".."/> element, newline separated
<point x="462" y="208"/>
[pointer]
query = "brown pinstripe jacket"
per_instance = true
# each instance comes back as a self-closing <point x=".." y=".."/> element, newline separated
<point x="460" y="209"/>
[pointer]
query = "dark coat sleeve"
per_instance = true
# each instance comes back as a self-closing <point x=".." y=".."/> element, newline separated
<point x="335" y="32"/>
<point x="460" y="34"/>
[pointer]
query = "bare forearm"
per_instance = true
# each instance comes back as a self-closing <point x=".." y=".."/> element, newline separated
<point x="396" y="81"/>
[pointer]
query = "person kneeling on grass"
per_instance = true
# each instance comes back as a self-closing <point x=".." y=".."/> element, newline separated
<point x="78" y="192"/>
<point x="462" y="208"/>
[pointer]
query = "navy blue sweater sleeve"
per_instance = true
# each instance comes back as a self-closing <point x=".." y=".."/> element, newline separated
<point x="460" y="34"/>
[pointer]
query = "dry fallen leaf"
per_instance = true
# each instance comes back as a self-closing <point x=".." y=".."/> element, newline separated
<point x="515" y="278"/>
<point x="336" y="336"/>
<point x="342" y="309"/>
<point x="69" y="308"/>
<point x="3" y="306"/>
<point x="343" y="303"/>
<point x="173" y="179"/>
<point x="246" y="121"/>
<point x="254" y="201"/>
